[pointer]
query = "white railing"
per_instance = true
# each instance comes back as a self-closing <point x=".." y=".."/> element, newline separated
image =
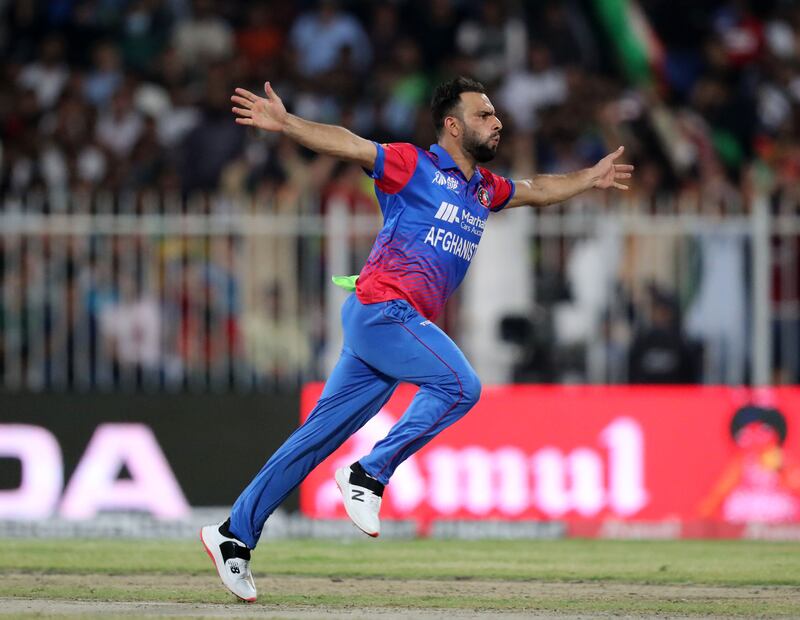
<point x="728" y="271"/>
<point x="158" y="293"/>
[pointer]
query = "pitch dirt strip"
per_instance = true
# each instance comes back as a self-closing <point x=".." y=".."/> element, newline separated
<point x="86" y="610"/>
<point x="90" y="610"/>
<point x="538" y="599"/>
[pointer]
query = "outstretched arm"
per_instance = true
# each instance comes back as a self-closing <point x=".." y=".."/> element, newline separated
<point x="547" y="189"/>
<point x="268" y="113"/>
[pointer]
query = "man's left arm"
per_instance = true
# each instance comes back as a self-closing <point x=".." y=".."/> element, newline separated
<point x="547" y="189"/>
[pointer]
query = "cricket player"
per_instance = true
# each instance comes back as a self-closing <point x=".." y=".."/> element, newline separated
<point x="435" y="204"/>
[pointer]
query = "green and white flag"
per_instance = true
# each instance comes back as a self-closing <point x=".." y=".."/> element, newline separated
<point x="637" y="47"/>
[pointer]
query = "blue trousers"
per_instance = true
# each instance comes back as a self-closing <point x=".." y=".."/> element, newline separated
<point x="384" y="343"/>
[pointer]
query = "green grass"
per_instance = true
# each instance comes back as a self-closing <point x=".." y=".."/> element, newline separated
<point x="724" y="565"/>
<point x="698" y="562"/>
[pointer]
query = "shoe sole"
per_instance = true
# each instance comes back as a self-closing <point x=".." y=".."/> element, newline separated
<point x="216" y="566"/>
<point x="344" y="501"/>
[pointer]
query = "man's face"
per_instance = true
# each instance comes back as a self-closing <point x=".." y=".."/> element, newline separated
<point x="756" y="437"/>
<point x="481" y="127"/>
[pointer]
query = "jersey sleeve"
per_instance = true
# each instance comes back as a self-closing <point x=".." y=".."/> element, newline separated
<point x="395" y="164"/>
<point x="502" y="190"/>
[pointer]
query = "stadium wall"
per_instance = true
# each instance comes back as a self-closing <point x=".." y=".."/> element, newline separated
<point x="528" y="461"/>
<point x="605" y="461"/>
<point x="76" y="455"/>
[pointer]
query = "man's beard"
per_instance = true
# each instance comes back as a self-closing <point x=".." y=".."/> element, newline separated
<point x="481" y="152"/>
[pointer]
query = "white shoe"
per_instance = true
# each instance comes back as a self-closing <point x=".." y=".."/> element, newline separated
<point x="362" y="498"/>
<point x="231" y="558"/>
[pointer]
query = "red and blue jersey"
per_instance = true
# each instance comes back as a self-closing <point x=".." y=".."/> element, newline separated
<point x="433" y="220"/>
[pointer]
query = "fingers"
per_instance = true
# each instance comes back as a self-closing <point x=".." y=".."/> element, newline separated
<point x="244" y="121"/>
<point x="619" y="171"/>
<point x="242" y="101"/>
<point x="246" y="94"/>
<point x="245" y="98"/>
<point x="249" y="113"/>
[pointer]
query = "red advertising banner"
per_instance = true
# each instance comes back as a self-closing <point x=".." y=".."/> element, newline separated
<point x="587" y="455"/>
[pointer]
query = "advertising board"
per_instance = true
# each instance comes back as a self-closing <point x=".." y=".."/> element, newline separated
<point x="591" y="455"/>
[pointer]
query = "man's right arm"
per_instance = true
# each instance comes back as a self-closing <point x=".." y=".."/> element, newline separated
<point x="268" y="113"/>
<point x="331" y="140"/>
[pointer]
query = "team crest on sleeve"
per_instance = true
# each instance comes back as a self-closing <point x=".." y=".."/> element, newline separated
<point x="483" y="196"/>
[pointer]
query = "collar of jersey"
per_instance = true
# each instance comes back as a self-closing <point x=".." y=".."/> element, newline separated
<point x="445" y="162"/>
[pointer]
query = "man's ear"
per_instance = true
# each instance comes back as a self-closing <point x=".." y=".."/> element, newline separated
<point x="452" y="126"/>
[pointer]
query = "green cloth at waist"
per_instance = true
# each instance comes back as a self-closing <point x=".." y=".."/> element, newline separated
<point x="348" y="283"/>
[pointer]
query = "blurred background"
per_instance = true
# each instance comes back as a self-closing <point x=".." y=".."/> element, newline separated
<point x="151" y="247"/>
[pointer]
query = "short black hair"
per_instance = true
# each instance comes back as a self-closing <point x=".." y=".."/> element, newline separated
<point x="765" y="415"/>
<point x="448" y="95"/>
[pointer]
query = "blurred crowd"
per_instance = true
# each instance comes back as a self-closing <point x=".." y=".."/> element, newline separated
<point x="135" y="93"/>
<point x="126" y="95"/>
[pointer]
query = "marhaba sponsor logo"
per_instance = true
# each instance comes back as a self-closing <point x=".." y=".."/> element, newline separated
<point x="508" y="481"/>
<point x="450" y="213"/>
<point x="447" y="212"/>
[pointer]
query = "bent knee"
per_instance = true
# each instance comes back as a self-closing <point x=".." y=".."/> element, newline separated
<point x="461" y="387"/>
<point x="470" y="387"/>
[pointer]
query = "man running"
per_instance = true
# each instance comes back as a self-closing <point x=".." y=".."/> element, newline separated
<point x="435" y="204"/>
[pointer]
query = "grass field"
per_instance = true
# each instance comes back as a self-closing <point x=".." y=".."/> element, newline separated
<point x="408" y="579"/>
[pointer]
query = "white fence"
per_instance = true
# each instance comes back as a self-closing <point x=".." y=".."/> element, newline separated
<point x="209" y="293"/>
<point x="649" y="291"/>
<point x="154" y="293"/>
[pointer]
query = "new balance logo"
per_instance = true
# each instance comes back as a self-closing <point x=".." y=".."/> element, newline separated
<point x="358" y="495"/>
<point x="447" y="212"/>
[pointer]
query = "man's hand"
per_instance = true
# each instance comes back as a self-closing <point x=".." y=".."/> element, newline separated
<point x="606" y="173"/>
<point x="548" y="189"/>
<point x="267" y="113"/>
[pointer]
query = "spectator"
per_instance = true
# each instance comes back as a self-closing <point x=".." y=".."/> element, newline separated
<point x="437" y="29"/>
<point x="106" y="76"/>
<point x="717" y="315"/>
<point x="741" y="32"/>
<point x="660" y="352"/>
<point x="495" y="41"/>
<point x="204" y="38"/>
<point x="214" y="142"/>
<point x="524" y="93"/>
<point x="146" y="158"/>
<point x="409" y="89"/>
<point x="145" y="31"/>
<point x="385" y="32"/>
<point x="261" y="40"/>
<point x="47" y="75"/>
<point x="563" y="29"/>
<point x="276" y="341"/>
<point x="318" y="38"/>
<point x="21" y="27"/>
<point x="131" y="327"/>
